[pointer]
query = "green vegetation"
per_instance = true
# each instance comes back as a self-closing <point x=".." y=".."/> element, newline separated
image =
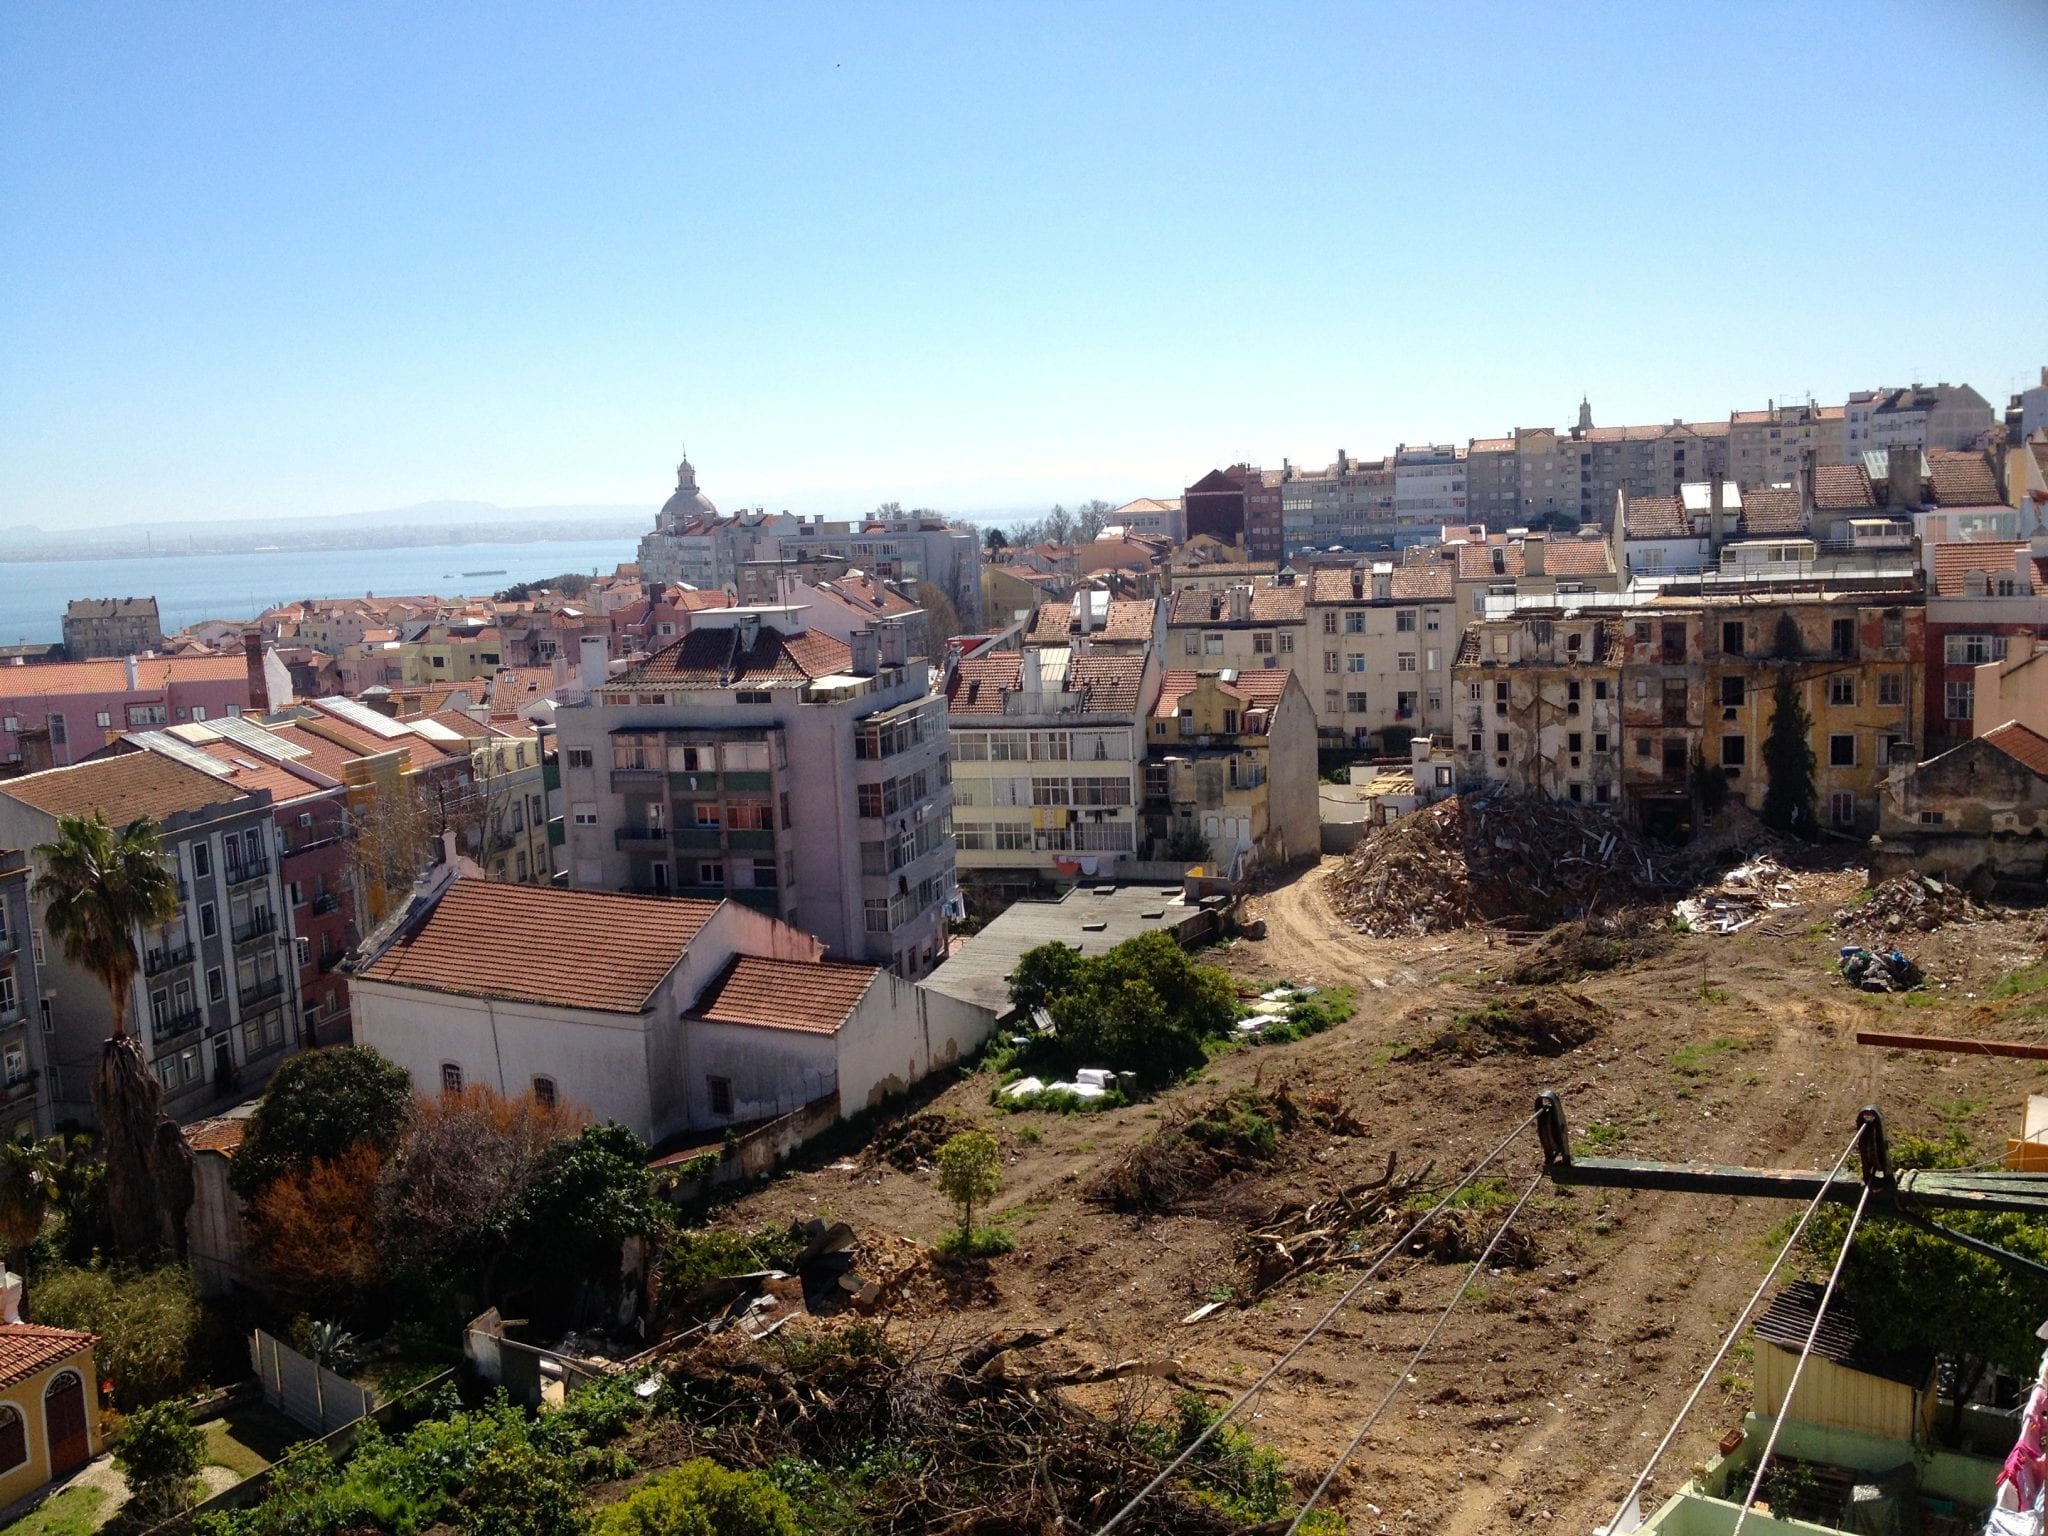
<point x="159" y="1453"/>
<point x="1238" y="1125"/>
<point x="74" y="1512"/>
<point x="1231" y="1472"/>
<point x="1061" y="1101"/>
<point x="1143" y="1007"/>
<point x="247" y="1440"/>
<point x="2024" y="982"/>
<point x="1481" y="1195"/>
<point x="1602" y="1138"/>
<point x="320" y="1105"/>
<point x="1309" y="1015"/>
<point x="701" y="1498"/>
<point x="970" y="1174"/>
<point x="1788" y="752"/>
<point x="148" y="1322"/>
<point x="1713" y="996"/>
<point x="1695" y="1058"/>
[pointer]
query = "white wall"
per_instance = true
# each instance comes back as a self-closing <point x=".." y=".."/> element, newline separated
<point x="772" y="1071"/>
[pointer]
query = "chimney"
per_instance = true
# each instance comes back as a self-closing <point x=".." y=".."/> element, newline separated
<point x="1240" y="604"/>
<point x="1357" y="584"/>
<point x="252" y="662"/>
<point x="10" y="1296"/>
<point x="1717" y="513"/>
<point x="558" y="671"/>
<point x="2023" y="568"/>
<point x="1343" y="462"/>
<point x="592" y="661"/>
<point x="1808" y="457"/>
<point x="1532" y="554"/>
<point x="1382" y="583"/>
<point x="134" y="674"/>
<point x="895" y="645"/>
<point x="1902" y="477"/>
<point x="866" y="652"/>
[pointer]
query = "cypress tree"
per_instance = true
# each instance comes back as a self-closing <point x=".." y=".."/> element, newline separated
<point x="1788" y="760"/>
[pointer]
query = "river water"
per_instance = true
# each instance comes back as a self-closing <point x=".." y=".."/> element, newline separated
<point x="188" y="588"/>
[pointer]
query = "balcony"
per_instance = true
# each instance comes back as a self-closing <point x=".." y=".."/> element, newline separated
<point x="19" y="1090"/>
<point x="170" y="1026"/>
<point x="744" y="837"/>
<point x="743" y="781"/>
<point x="325" y="903"/>
<point x="8" y="943"/>
<point x="694" y="782"/>
<point x="259" y="925"/>
<point x="248" y="869"/>
<point x="10" y="1015"/>
<point x="699" y="837"/>
<point x="260" y="992"/>
<point x="624" y="779"/>
<point x="156" y="961"/>
<point x="639" y="837"/>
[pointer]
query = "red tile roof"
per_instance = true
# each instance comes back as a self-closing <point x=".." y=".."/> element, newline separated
<point x="153" y="674"/>
<point x="1561" y="557"/>
<point x="1111" y="683"/>
<point x="26" y="1348"/>
<point x="536" y="944"/>
<point x="1420" y="582"/>
<point x="814" y="996"/>
<point x="2026" y="747"/>
<point x="219" y="1135"/>
<point x="707" y="659"/>
<point x="1961" y="479"/>
<point x="1127" y="619"/>
<point x="1840" y="486"/>
<point x="1269" y="605"/>
<point x="1995" y="558"/>
<point x="868" y="593"/>
<point x="126" y="787"/>
<point x="1771" y="509"/>
<point x="1656" y="517"/>
<point x="1258" y="689"/>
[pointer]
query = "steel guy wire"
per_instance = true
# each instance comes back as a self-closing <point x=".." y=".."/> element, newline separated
<point x="1317" y="1327"/>
<point x="1401" y="1379"/>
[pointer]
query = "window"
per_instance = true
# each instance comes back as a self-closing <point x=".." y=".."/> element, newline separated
<point x="1732" y="691"/>
<point x="1894" y="629"/>
<point x="705" y="813"/>
<point x="1933" y="818"/>
<point x="1891" y="689"/>
<point x="1329" y="628"/>
<point x="875" y="910"/>
<point x="579" y="757"/>
<point x="1843" y="637"/>
<point x="1500" y="741"/>
<point x="1599" y="741"/>
<point x="1842" y="751"/>
<point x="1643" y="746"/>
<point x="520" y="866"/>
<point x="1329" y="661"/>
<point x="1574" y="742"/>
<point x="1958" y="700"/>
<point x="1600" y="688"/>
<point x="1262" y="643"/>
<point x="1356" y="663"/>
<point x="1478" y="741"/>
<point x="1404" y="662"/>
<point x="1842" y="690"/>
<point x="710" y="872"/>
<point x="209" y="920"/>
<point x="103" y="719"/>
<point x="544" y="1092"/>
<point x="1354" y="703"/>
<point x="1332" y="701"/>
<point x="719" y="1089"/>
<point x="584" y="813"/>
<point x="1404" y="622"/>
<point x="451" y="1078"/>
<point x="202" y="858"/>
<point x="1972" y="650"/>
<point x="1192" y="644"/>
<point x="216" y="986"/>
<point x="1734" y="751"/>
<point x="13" y="1439"/>
<point x="1286" y="644"/>
<point x="59" y="735"/>
<point x="1731" y="637"/>
<point x="1354" y="623"/>
<point x="1571" y="691"/>
<point x="1212" y="644"/>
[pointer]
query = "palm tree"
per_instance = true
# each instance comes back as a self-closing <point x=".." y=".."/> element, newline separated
<point x="98" y="884"/>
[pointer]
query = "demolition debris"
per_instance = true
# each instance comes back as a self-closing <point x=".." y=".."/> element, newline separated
<point x="1918" y="902"/>
<point x="1493" y="856"/>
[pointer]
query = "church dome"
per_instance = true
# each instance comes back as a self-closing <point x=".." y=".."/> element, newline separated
<point x="688" y="502"/>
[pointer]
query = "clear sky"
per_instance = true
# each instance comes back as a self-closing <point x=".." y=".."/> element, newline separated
<point x="284" y="259"/>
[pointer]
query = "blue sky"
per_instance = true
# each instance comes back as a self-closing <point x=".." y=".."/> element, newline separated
<point x="276" y="260"/>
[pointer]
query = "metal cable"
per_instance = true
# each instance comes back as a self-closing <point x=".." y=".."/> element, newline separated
<point x="1401" y="1379"/>
<point x="1734" y="1332"/>
<point x="1302" y="1343"/>
<point x="1785" y="1406"/>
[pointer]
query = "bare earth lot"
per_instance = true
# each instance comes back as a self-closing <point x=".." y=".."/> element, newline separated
<point x="1552" y="1383"/>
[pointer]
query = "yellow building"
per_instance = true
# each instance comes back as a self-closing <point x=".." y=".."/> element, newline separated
<point x="1231" y="761"/>
<point x="450" y="653"/>
<point x="49" y="1407"/>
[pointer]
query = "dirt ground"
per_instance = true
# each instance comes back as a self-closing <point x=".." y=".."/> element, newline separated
<point x="1551" y="1384"/>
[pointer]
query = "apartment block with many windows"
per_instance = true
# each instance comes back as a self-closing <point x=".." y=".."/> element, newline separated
<point x="1537" y="705"/>
<point x="24" y="1106"/>
<point x="1377" y="652"/>
<point x="767" y="763"/>
<point x="1048" y="756"/>
<point x="1981" y="595"/>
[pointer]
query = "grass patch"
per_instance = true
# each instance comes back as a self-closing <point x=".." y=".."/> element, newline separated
<point x="1598" y="1138"/>
<point x="1956" y="1111"/>
<point x="1694" y="1059"/>
<point x="247" y="1440"/>
<point x="982" y="1243"/>
<point x="1927" y="1000"/>
<point x="71" y="1513"/>
<point x="1390" y="1051"/>
<point x="1481" y="1195"/>
<point x="1030" y="1135"/>
<point x="1058" y="1101"/>
<point x="2026" y="980"/>
<point x="1716" y="996"/>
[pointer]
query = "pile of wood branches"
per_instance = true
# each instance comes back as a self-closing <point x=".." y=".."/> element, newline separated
<point x="1329" y="1233"/>
<point x="1236" y="1133"/>
<point x="951" y="1438"/>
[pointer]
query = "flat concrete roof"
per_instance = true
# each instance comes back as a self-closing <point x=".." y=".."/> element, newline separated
<point x="1092" y="918"/>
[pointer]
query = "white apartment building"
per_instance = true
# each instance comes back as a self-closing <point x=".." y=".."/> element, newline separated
<point x="1348" y="506"/>
<point x="1247" y="627"/>
<point x="1048" y="761"/>
<point x="761" y="761"/>
<point x="1939" y="416"/>
<point x="1379" y="643"/>
<point x="1429" y="490"/>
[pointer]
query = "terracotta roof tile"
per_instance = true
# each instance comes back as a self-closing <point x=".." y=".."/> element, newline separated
<point x="1954" y="562"/>
<point x="1420" y="582"/>
<point x="538" y="944"/>
<point x="26" y="1348"/>
<point x="1771" y="509"/>
<point x="153" y="674"/>
<point x="2029" y="748"/>
<point x="1840" y="486"/>
<point x="1111" y="683"/>
<point x="1961" y="480"/>
<point x="126" y="787"/>
<point x="249" y="769"/>
<point x="707" y="659"/>
<point x="223" y="1134"/>
<point x="1127" y="619"/>
<point x="814" y="996"/>
<point x="1259" y="689"/>
<point x="1270" y="605"/>
<point x="1657" y="517"/>
<point x="1561" y="557"/>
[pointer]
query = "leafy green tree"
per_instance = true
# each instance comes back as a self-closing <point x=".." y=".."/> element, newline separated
<point x="1788" y="760"/>
<point x="99" y="886"/>
<point x="995" y="541"/>
<point x="1042" y="974"/>
<point x="148" y="1322"/>
<point x="590" y="1193"/>
<point x="319" y="1105"/>
<point x="29" y="1181"/>
<point x="970" y="1173"/>
<point x="701" y="1498"/>
<point x="159" y="1454"/>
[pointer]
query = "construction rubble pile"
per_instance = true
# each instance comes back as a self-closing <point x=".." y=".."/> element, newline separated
<point x="1495" y="856"/>
<point x="1747" y="894"/>
<point x="1918" y="902"/>
<point x="1302" y="1237"/>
